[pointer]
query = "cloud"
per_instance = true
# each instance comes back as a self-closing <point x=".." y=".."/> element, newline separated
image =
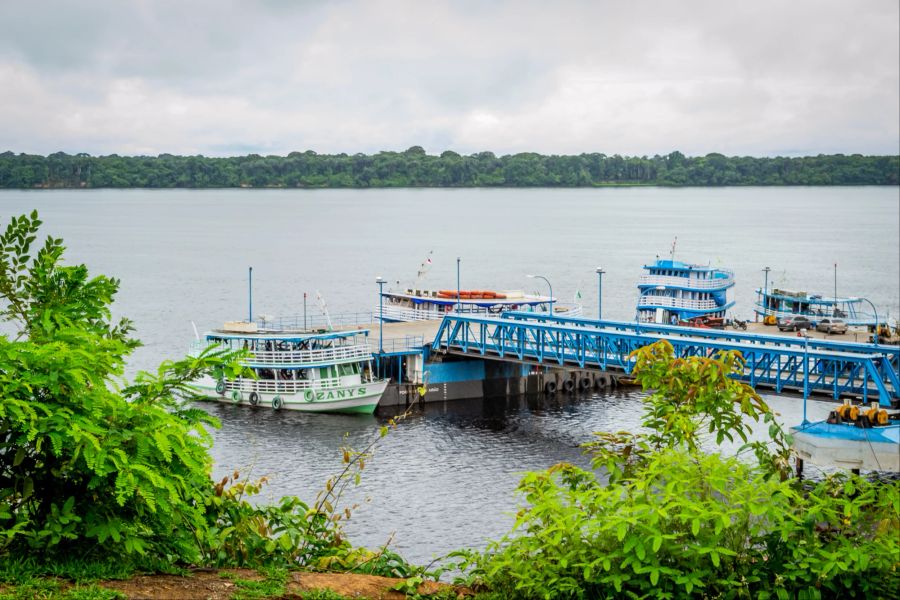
<point x="232" y="76"/>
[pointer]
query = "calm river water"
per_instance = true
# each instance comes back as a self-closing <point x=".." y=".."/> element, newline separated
<point x="445" y="478"/>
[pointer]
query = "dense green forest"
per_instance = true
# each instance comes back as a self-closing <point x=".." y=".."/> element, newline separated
<point x="415" y="168"/>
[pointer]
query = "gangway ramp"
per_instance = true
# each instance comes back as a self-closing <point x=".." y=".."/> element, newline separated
<point x="773" y="361"/>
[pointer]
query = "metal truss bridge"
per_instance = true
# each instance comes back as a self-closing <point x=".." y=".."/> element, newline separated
<point x="780" y="362"/>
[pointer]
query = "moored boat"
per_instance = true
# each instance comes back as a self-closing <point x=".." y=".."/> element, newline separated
<point x="853" y="437"/>
<point x="296" y="370"/>
<point x="425" y="305"/>
<point x="776" y="304"/>
<point x="672" y="291"/>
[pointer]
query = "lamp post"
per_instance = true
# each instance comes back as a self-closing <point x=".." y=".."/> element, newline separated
<point x="875" y="310"/>
<point x="548" y="285"/>
<point x="600" y="272"/>
<point x="380" y="281"/>
<point x="250" y="296"/>
<point x="458" y="299"/>
<point x="834" y="308"/>
<point x="765" y="301"/>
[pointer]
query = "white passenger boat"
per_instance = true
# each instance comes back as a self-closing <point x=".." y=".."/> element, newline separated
<point x="425" y="305"/>
<point x="296" y="370"/>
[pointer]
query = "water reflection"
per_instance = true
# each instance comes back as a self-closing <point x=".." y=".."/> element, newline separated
<point x="445" y="478"/>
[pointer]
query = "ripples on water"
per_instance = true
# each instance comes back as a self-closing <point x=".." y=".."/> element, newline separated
<point x="445" y="478"/>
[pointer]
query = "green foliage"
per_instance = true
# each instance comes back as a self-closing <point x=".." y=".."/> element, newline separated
<point x="99" y="468"/>
<point x="414" y="168"/>
<point x="674" y="522"/>
<point x="273" y="586"/>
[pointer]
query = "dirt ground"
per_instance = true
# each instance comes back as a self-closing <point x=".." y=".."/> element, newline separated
<point x="220" y="585"/>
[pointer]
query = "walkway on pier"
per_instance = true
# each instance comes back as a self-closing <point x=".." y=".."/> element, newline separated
<point x="781" y="362"/>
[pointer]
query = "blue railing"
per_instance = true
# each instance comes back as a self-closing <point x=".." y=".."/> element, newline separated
<point x="775" y="361"/>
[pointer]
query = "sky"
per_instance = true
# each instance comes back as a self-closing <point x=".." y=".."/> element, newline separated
<point x="233" y="77"/>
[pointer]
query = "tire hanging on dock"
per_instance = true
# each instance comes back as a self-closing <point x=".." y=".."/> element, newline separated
<point x="253" y="398"/>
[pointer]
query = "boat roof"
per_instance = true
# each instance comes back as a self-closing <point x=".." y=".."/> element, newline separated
<point x="518" y="300"/>
<point x="284" y="335"/>
<point x="677" y="265"/>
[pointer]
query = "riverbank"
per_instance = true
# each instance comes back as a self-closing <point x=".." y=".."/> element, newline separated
<point x="234" y="584"/>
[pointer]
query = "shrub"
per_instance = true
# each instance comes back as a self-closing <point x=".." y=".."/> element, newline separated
<point x="672" y="521"/>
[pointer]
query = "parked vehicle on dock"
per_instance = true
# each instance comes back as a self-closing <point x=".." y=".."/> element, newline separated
<point x="794" y="323"/>
<point x="832" y="325"/>
<point x="296" y="370"/>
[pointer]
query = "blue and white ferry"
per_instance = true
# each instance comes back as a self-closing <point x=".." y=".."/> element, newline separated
<point x="296" y="369"/>
<point x="780" y="303"/>
<point x="672" y="291"/>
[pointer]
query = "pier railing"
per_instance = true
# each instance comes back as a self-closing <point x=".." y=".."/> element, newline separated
<point x="602" y="345"/>
<point x="410" y="344"/>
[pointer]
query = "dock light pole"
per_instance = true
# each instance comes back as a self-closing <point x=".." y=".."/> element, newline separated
<point x="548" y="285"/>
<point x="250" y="295"/>
<point x="380" y="281"/>
<point x="875" y="310"/>
<point x="834" y="307"/>
<point x="765" y="301"/>
<point x="600" y="273"/>
<point x="458" y="299"/>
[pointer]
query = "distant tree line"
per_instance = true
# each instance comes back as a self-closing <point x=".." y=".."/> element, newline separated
<point x="415" y="168"/>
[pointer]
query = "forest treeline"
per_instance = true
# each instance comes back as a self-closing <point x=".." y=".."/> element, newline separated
<point x="415" y="168"/>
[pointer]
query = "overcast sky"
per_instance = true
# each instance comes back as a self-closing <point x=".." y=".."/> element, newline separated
<point x="228" y="77"/>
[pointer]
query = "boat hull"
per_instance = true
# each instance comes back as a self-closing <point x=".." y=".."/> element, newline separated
<point x="359" y="398"/>
<point x="848" y="447"/>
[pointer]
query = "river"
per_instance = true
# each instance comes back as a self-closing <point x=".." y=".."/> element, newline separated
<point x="445" y="478"/>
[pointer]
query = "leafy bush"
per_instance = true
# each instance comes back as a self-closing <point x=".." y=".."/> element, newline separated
<point x="100" y="468"/>
<point x="672" y="521"/>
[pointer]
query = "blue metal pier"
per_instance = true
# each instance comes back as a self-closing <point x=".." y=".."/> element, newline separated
<point x="780" y="362"/>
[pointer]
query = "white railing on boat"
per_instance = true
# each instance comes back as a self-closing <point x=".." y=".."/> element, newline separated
<point x="316" y="322"/>
<point x="686" y="282"/>
<point x="270" y="386"/>
<point x="338" y="354"/>
<point x="398" y="313"/>
<point x="668" y="301"/>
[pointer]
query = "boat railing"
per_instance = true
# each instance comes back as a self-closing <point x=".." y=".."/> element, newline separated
<point x="668" y="301"/>
<point x="686" y="282"/>
<point x="286" y="386"/>
<point x="398" y="313"/>
<point x="316" y="322"/>
<point x="298" y="357"/>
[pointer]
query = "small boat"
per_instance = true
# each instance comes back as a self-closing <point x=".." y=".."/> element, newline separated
<point x="674" y="292"/>
<point x="425" y="305"/>
<point x="853" y="437"/>
<point x="776" y="304"/>
<point x="296" y="369"/>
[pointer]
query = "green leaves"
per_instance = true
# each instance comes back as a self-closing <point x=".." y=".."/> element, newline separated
<point x="668" y="520"/>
